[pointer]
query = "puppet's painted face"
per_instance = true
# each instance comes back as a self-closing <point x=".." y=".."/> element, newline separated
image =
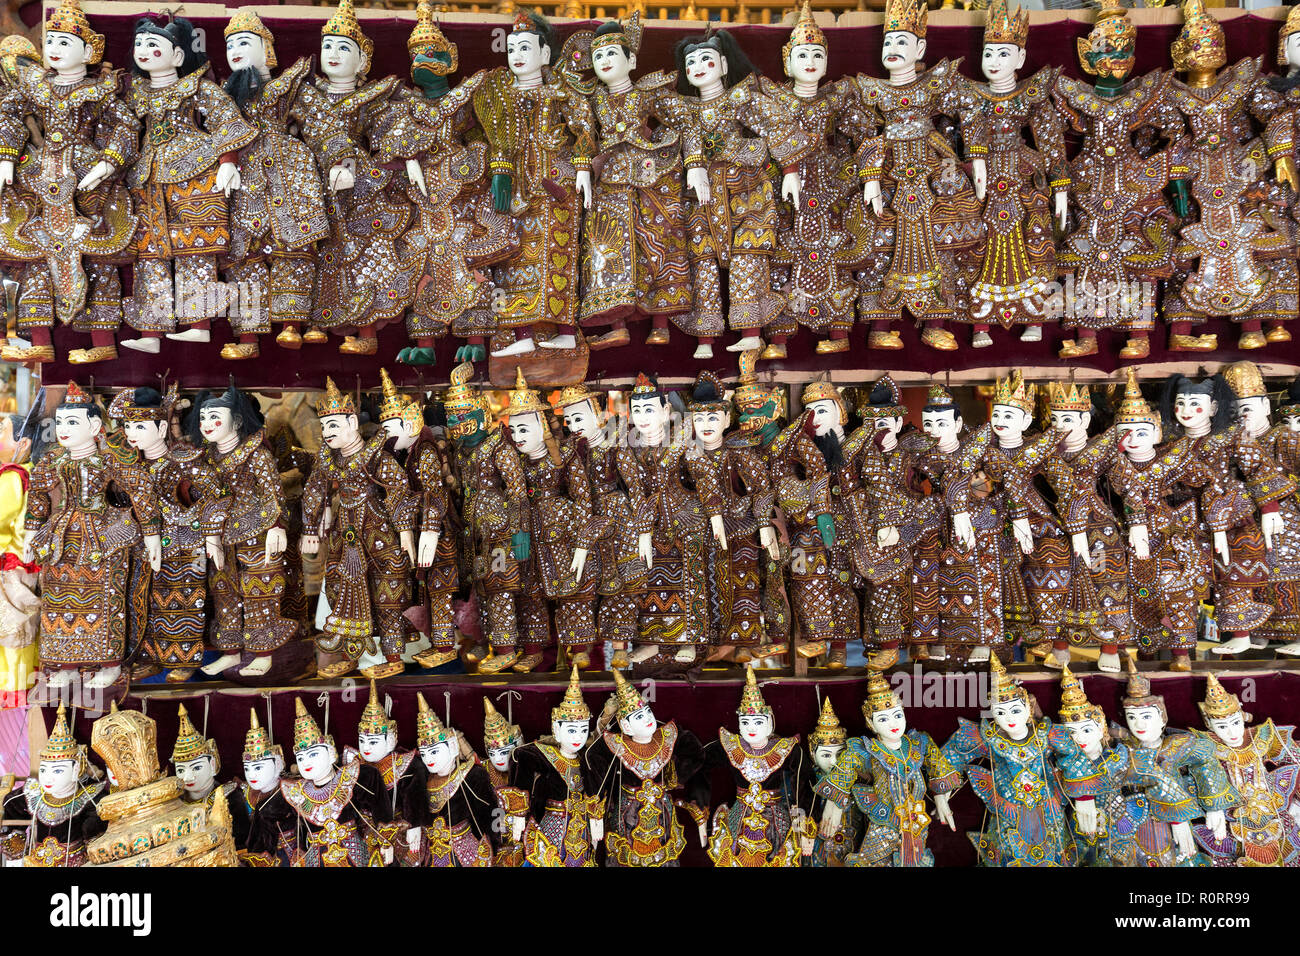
<point x="824" y="756"/>
<point x="571" y="735"/>
<point x="1254" y="413"/>
<point x="76" y="427"/>
<point x="316" y="763"/>
<point x="709" y="426"/>
<point x="399" y="429"/>
<point x="942" y="426"/>
<point x="375" y="747"/>
<point x="1139" y="440"/>
<point x="889" y="725"/>
<point x="1192" y="409"/>
<point x="1087" y="734"/>
<point x="528" y="432"/>
<point x="1075" y="424"/>
<point x="640" y="723"/>
<point x="429" y="71"/>
<point x="825" y="415"/>
<point x="197" y="775"/>
<point x="1009" y="423"/>
<point x="1292" y="422"/>
<point x="341" y="58"/>
<point x="216" y="424"/>
<point x="582" y="419"/>
<point x="245" y="51"/>
<point x="526" y="54"/>
<point x="339" y="431"/>
<point x="144" y="434"/>
<point x="439" y="758"/>
<point x="650" y="417"/>
<point x="613" y="64"/>
<point x="500" y="757"/>
<point x="705" y="66"/>
<point x="263" y="775"/>
<point x="65" y="51"/>
<point x="1231" y="729"/>
<point x="901" y="51"/>
<point x="893" y="424"/>
<point x="1001" y="60"/>
<point x="1146" y="723"/>
<point x="1293" y="50"/>
<point x="156" y="54"/>
<point x="1013" y="717"/>
<point x="755" y="729"/>
<point x="806" y="63"/>
<point x="58" y="778"/>
<point x="756" y="414"/>
<point x="464" y="425"/>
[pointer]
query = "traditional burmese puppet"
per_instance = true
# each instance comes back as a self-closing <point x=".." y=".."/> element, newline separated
<point x="370" y="540"/>
<point x="884" y="778"/>
<point x="1025" y="823"/>
<point x="58" y="805"/>
<point x="768" y="823"/>
<point x="1014" y="180"/>
<point x="83" y="539"/>
<point x="1241" y="501"/>
<point x="362" y="281"/>
<point x="496" y="536"/>
<point x="563" y="530"/>
<point x="191" y="501"/>
<point x="634" y="261"/>
<point x="645" y="772"/>
<point x="69" y="219"/>
<point x="337" y="807"/>
<point x="617" y="486"/>
<point x="1288" y="56"/>
<point x="825" y="745"/>
<point x="271" y="823"/>
<point x="565" y="820"/>
<point x="825" y="235"/>
<point x="196" y="763"/>
<point x="181" y="184"/>
<point x="250" y="586"/>
<point x="1261" y="763"/>
<point x="680" y="508"/>
<point x="456" y="234"/>
<point x="500" y="741"/>
<point x="731" y="221"/>
<point x="1122" y="241"/>
<point x="462" y="826"/>
<point x="20" y="606"/>
<point x="924" y="240"/>
<point x="1232" y="261"/>
<point x="404" y="780"/>
<point x="437" y="575"/>
<point x="278" y="212"/>
<point x="541" y="137"/>
<point x="1282" y="543"/>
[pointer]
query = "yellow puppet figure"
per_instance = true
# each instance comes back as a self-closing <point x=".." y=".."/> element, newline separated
<point x="18" y="601"/>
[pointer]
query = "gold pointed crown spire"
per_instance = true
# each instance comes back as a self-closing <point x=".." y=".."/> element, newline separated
<point x="429" y="730"/>
<point x="572" y="707"/>
<point x="906" y="16"/>
<point x="427" y="39"/>
<point x="751" y="700"/>
<point x="497" y="731"/>
<point x="628" y="34"/>
<point x="344" y="23"/>
<point x="524" y="400"/>
<point x="806" y="32"/>
<point x="880" y="695"/>
<point x="1001" y="27"/>
<point x="374" y="719"/>
<point x="461" y="397"/>
<point x="1245" y="380"/>
<point x="1291" y="26"/>
<point x="1107" y="52"/>
<point x="69" y="18"/>
<point x="1138" y="692"/>
<point x="1201" y="44"/>
<point x="1068" y="397"/>
<point x="190" y="744"/>
<point x="1075" y="705"/>
<point x="306" y="732"/>
<point x="246" y="21"/>
<point x="748" y="389"/>
<point x="334" y="402"/>
<point x="828" y="733"/>
<point x="1218" y="702"/>
<point x="1005" y="687"/>
<point x="396" y="405"/>
<point x="61" y="745"/>
<point x="1013" y="391"/>
<point x="257" y="742"/>
<point x="572" y="395"/>
<point x="1134" y="410"/>
<point x="629" y="700"/>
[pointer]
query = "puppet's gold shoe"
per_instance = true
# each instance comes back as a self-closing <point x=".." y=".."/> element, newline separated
<point x="1136" y="349"/>
<point x="884" y="340"/>
<point x="289" y="338"/>
<point x="315" y="337"/>
<point x="773" y="351"/>
<point x="239" y="350"/>
<point x="355" y="345"/>
<point x="1252" y="340"/>
<point x="1193" y="343"/>
<point x="1277" y="334"/>
<point x="657" y="337"/>
<point x="1076" y="348"/>
<point x="940" y="339"/>
<point x="435" y="657"/>
<point x="831" y="346"/>
<point x="495" y="663"/>
<point x="100" y="353"/>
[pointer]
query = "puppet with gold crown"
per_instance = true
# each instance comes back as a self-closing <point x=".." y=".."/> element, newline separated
<point x="928" y="223"/>
<point x="564" y="529"/>
<point x="461" y="824"/>
<point x="68" y="217"/>
<point x="370" y="541"/>
<point x="500" y="741"/>
<point x="196" y="763"/>
<point x="541" y="138"/>
<point x="1233" y="262"/>
<point x="270" y="824"/>
<point x="83" y="540"/>
<point x="1261" y="762"/>
<point x="1123" y="240"/>
<point x="1014" y="180"/>
<point x="885" y="778"/>
<point x="437" y="574"/>
<point x="495" y="511"/>
<point x="363" y="279"/>
<point x="825" y="745"/>
<point x="822" y="237"/>
<point x="1025" y="822"/>
<point x="278" y="213"/>
<point x="58" y="805"/>
<point x="645" y="772"/>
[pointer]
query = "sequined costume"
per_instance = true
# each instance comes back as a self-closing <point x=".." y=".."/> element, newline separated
<point x="269" y="827"/>
<point x="1283" y="446"/>
<point x="57" y="833"/>
<point x="756" y="830"/>
<point x="559" y="809"/>
<point x="426" y="470"/>
<point x="333" y="818"/>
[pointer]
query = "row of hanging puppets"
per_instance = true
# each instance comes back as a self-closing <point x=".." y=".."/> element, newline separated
<point x="567" y="201"/>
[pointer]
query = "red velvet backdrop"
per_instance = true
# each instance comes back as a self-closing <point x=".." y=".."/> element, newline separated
<point x="853" y="49"/>
<point x="935" y="703"/>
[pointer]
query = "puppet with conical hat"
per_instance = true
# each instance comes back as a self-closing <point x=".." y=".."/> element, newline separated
<point x="501" y="741"/>
<point x="272" y="250"/>
<point x="826" y="744"/>
<point x="69" y="240"/>
<point x="370" y="544"/>
<point x="196" y="762"/>
<point x="56" y="805"/>
<point x="645" y="772"/>
<point x="265" y="825"/>
<point x="95" y="556"/>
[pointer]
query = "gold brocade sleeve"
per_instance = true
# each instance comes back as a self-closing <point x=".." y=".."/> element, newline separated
<point x="135" y="483"/>
<point x="516" y="486"/>
<point x="401" y="503"/>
